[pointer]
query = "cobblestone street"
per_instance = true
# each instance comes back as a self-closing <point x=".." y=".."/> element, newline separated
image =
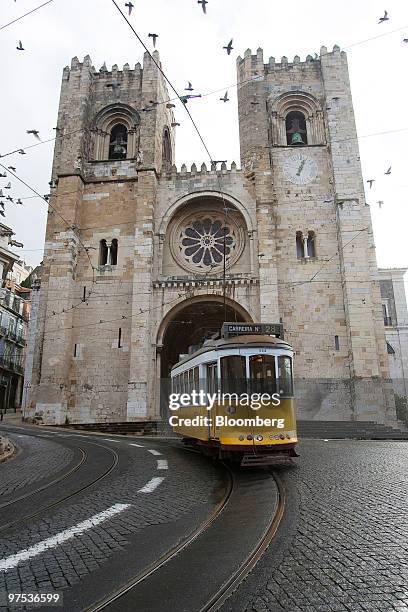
<point x="343" y="544"/>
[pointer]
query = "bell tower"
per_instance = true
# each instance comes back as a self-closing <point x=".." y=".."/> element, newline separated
<point x="318" y="271"/>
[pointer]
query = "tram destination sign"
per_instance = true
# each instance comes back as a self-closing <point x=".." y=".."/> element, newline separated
<point x="242" y="329"/>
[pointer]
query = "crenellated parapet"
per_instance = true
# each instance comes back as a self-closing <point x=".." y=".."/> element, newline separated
<point x="254" y="65"/>
<point x="203" y="171"/>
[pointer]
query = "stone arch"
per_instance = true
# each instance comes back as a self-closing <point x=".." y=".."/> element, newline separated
<point x="191" y="197"/>
<point x="199" y="299"/>
<point x="103" y="123"/>
<point x="301" y="102"/>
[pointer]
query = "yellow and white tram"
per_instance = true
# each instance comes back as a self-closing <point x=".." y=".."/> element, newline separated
<point x="229" y="420"/>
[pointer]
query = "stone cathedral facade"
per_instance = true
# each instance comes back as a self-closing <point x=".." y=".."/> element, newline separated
<point x="133" y="267"/>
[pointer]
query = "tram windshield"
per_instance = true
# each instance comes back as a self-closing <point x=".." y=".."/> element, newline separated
<point x="285" y="376"/>
<point x="262" y="374"/>
<point x="233" y="374"/>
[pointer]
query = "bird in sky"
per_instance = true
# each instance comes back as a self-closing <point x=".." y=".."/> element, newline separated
<point x="2" y="205"/>
<point x="154" y="37"/>
<point x="229" y="47"/>
<point x="3" y="175"/>
<point x="370" y="182"/>
<point x="8" y="186"/>
<point x="1" y="193"/>
<point x="57" y="129"/>
<point x="9" y="198"/>
<point x="46" y="196"/>
<point x="20" y="46"/>
<point x="19" y="202"/>
<point x="189" y="87"/>
<point x="388" y="171"/>
<point x="184" y="99"/>
<point x="14" y="243"/>
<point x="130" y="6"/>
<point x="22" y="152"/>
<point x="385" y="18"/>
<point x="170" y="106"/>
<point x="35" y="133"/>
<point x="12" y="168"/>
<point x="380" y="203"/>
<point x="52" y="184"/>
<point x="405" y="40"/>
<point x="175" y="124"/>
<point x="203" y="5"/>
<point x="2" y="213"/>
<point x="225" y="97"/>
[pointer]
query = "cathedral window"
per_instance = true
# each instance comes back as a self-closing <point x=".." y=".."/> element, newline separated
<point x="299" y="245"/>
<point x="118" y="142"/>
<point x="296" y="132"/>
<point x="305" y="245"/>
<point x="205" y="241"/>
<point x="103" y="253"/>
<point x="113" y="252"/>
<point x="336" y="343"/>
<point x="310" y="244"/>
<point x="166" y="147"/>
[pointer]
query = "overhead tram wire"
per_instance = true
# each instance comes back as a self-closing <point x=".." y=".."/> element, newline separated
<point x="25" y="14"/>
<point x="69" y="225"/>
<point x="213" y="165"/>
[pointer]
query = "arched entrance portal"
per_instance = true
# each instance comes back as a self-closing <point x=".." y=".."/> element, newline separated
<point x="185" y="328"/>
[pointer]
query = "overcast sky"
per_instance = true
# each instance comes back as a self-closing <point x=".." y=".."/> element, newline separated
<point x="190" y="46"/>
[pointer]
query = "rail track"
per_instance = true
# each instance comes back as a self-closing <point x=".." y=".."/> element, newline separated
<point x="58" y="481"/>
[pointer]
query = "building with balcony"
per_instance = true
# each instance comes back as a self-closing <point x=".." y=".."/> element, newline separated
<point x="395" y="316"/>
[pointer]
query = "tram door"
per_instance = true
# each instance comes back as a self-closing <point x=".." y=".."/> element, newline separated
<point x="212" y="387"/>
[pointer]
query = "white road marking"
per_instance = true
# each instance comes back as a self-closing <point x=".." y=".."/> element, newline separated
<point x="154" y="452"/>
<point x="60" y="538"/>
<point x="151" y="485"/>
<point x="138" y="445"/>
<point x="162" y="464"/>
<point x="111" y="440"/>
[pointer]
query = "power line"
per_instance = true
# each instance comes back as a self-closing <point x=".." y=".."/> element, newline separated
<point x="25" y="14"/>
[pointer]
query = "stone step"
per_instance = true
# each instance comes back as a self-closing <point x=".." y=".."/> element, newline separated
<point x="349" y="429"/>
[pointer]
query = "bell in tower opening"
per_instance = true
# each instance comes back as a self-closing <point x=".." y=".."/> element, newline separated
<point x="296" y="133"/>
<point x="118" y="142"/>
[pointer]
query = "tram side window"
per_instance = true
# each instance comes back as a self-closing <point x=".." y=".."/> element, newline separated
<point x="262" y="374"/>
<point x="285" y="376"/>
<point x="233" y="374"/>
<point x="196" y="379"/>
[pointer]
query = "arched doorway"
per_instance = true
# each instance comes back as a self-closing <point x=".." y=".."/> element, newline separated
<point x="185" y="328"/>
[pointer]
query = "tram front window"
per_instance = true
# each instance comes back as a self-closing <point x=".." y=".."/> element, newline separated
<point x="233" y="374"/>
<point x="262" y="374"/>
<point x="285" y="376"/>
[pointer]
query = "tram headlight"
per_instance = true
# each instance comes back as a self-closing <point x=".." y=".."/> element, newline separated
<point x="241" y="437"/>
<point x="259" y="438"/>
<point x="282" y="436"/>
<point x="249" y="437"/>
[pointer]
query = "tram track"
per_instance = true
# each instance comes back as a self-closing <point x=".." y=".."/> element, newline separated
<point x="125" y="597"/>
<point x="47" y="487"/>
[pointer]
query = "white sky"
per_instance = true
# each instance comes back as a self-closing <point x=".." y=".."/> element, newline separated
<point x="190" y="46"/>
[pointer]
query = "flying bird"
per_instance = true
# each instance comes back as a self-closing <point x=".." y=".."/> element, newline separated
<point x="19" y="202"/>
<point x="170" y="106"/>
<point x="189" y="87"/>
<point x="380" y="203"/>
<point x="370" y="182"/>
<point x="254" y="103"/>
<point x="385" y="18"/>
<point x="46" y="196"/>
<point x="9" y="198"/>
<point x="388" y="171"/>
<point x="154" y="37"/>
<point x="203" y="4"/>
<point x="405" y="40"/>
<point x="52" y="184"/>
<point x="2" y="213"/>
<point x="57" y="129"/>
<point x="130" y="6"/>
<point x="114" y="85"/>
<point x="35" y="133"/>
<point x="20" y="46"/>
<point x="175" y="124"/>
<point x="12" y="168"/>
<point x="3" y="175"/>
<point x="14" y="243"/>
<point x="229" y="47"/>
<point x="1" y="193"/>
<point x="8" y="186"/>
<point x="22" y="152"/>
<point x="225" y="98"/>
<point x="2" y="205"/>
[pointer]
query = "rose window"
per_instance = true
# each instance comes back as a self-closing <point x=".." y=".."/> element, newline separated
<point x="203" y="242"/>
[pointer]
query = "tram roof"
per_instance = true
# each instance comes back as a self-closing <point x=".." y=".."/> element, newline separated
<point x="237" y="342"/>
